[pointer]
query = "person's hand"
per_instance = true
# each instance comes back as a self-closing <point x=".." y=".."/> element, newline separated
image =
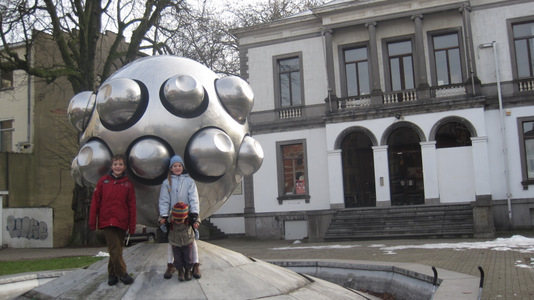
<point x="195" y="225"/>
<point x="162" y="221"/>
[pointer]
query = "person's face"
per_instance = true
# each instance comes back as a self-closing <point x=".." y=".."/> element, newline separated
<point x="118" y="167"/>
<point x="177" y="168"/>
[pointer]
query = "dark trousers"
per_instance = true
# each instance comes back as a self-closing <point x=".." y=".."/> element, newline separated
<point x="115" y="240"/>
<point x="183" y="256"/>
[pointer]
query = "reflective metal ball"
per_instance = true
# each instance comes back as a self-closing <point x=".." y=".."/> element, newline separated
<point x="159" y="106"/>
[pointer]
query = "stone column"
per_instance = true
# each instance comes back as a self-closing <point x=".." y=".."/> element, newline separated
<point x="330" y="77"/>
<point x="335" y="177"/>
<point x="472" y="82"/>
<point x="481" y="165"/>
<point x="376" y="90"/>
<point x="483" y="208"/>
<point x="421" y="79"/>
<point x="430" y="172"/>
<point x="250" y="210"/>
<point x="381" y="161"/>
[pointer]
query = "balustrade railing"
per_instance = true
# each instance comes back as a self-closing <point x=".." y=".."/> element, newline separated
<point x="353" y="102"/>
<point x="288" y="113"/>
<point x="526" y="85"/>
<point x="400" y="96"/>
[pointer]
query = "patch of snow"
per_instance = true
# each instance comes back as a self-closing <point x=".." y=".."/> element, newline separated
<point x="102" y="254"/>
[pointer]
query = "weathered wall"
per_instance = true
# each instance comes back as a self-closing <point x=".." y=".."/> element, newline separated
<point x="27" y="227"/>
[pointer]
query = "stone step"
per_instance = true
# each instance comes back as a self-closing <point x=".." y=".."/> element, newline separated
<point x="402" y="222"/>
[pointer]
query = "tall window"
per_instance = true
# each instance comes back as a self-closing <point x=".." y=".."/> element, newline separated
<point x="447" y="59"/>
<point x="356" y="71"/>
<point x="524" y="48"/>
<point x="401" y="65"/>
<point x="526" y="134"/>
<point x="289" y="80"/>
<point x="292" y="170"/>
<point x="7" y="80"/>
<point x="6" y="135"/>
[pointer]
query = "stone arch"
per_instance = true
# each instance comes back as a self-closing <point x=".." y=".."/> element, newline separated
<point x="469" y="125"/>
<point x="396" y="125"/>
<point x="349" y="130"/>
<point x="357" y="159"/>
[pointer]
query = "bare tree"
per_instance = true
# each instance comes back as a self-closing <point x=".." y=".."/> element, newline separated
<point x="206" y="35"/>
<point x="91" y="39"/>
<point x="77" y="27"/>
<point x="270" y="10"/>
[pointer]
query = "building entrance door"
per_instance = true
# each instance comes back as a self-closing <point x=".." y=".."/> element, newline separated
<point x="358" y="170"/>
<point x="405" y="167"/>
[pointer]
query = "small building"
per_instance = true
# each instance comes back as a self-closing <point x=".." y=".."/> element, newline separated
<point x="37" y="145"/>
<point x="366" y="105"/>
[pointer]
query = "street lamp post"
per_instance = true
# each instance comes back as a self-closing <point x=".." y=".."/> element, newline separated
<point x="503" y="128"/>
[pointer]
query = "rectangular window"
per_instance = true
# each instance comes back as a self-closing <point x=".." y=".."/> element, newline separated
<point x="289" y="81"/>
<point x="447" y="59"/>
<point x="526" y="138"/>
<point x="356" y="71"/>
<point x="6" y="135"/>
<point x="7" y="80"/>
<point x="292" y="170"/>
<point x="401" y="65"/>
<point x="524" y="48"/>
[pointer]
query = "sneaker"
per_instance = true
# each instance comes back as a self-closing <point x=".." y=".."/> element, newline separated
<point x="187" y="274"/>
<point x="169" y="272"/>
<point x="112" y="280"/>
<point x="126" y="279"/>
<point x="196" y="271"/>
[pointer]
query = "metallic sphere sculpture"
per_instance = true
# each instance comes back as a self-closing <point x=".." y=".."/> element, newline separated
<point x="159" y="106"/>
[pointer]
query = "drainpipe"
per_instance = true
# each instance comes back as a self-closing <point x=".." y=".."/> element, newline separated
<point x="503" y="128"/>
<point x="29" y="105"/>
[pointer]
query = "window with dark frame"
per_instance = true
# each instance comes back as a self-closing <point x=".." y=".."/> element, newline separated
<point x="526" y="134"/>
<point x="401" y="70"/>
<point x="357" y="71"/>
<point x="289" y="79"/>
<point x="6" y="135"/>
<point x="524" y="48"/>
<point x="292" y="171"/>
<point x="7" y="80"/>
<point x="447" y="59"/>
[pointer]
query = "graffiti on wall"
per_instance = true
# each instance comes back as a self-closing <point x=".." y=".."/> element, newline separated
<point x="27" y="227"/>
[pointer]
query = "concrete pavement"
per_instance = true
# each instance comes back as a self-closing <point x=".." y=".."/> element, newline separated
<point x="504" y="278"/>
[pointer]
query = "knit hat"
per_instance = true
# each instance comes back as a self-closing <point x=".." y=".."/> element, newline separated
<point x="179" y="211"/>
<point x="175" y="159"/>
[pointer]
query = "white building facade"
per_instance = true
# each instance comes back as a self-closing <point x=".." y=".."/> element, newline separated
<point x="370" y="104"/>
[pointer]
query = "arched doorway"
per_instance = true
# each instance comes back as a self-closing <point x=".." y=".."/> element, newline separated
<point x="405" y="167"/>
<point x="358" y="170"/>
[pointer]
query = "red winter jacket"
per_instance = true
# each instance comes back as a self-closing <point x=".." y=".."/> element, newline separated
<point x="113" y="204"/>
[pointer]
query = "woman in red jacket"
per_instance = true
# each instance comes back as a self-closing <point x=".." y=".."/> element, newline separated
<point x="113" y="205"/>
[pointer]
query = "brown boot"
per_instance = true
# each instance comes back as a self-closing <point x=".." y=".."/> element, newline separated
<point x="196" y="271"/>
<point x="188" y="274"/>
<point x="181" y="275"/>
<point x="169" y="272"/>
